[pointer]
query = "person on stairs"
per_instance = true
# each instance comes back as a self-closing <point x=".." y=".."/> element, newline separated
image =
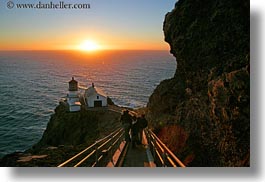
<point x="142" y="124"/>
<point x="126" y="120"/>
<point x="135" y="132"/>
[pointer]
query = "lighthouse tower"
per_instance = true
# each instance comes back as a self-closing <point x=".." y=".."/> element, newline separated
<point x="73" y="96"/>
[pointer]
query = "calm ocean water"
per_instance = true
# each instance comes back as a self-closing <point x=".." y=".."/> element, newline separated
<point x="32" y="83"/>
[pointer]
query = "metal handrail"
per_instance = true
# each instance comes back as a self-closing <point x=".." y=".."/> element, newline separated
<point x="108" y="137"/>
<point x="162" y="151"/>
<point x="104" y="148"/>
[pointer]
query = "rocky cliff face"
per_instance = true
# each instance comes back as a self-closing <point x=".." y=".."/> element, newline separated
<point x="66" y="135"/>
<point x="203" y="113"/>
<point x="75" y="128"/>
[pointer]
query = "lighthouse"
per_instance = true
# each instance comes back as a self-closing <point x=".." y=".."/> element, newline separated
<point x="73" y="96"/>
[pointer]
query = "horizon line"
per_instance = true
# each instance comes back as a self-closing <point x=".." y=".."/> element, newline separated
<point x="75" y="50"/>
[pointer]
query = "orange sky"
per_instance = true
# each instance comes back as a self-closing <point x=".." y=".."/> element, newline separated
<point x="123" y="24"/>
<point x="67" y="41"/>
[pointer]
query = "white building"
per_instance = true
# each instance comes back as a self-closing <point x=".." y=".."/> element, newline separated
<point x="95" y="97"/>
<point x="73" y="96"/>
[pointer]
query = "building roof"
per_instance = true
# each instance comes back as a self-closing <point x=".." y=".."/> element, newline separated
<point x="94" y="90"/>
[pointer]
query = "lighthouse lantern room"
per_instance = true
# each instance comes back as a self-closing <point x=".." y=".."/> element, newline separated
<point x="73" y="96"/>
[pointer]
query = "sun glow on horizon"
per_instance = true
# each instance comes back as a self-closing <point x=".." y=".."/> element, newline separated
<point x="89" y="45"/>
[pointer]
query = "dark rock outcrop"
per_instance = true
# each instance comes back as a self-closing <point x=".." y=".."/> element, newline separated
<point x="67" y="134"/>
<point x="206" y="106"/>
<point x="75" y="128"/>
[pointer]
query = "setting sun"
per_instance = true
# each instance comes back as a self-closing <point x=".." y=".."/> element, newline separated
<point x="88" y="45"/>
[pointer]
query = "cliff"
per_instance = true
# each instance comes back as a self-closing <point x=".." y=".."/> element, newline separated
<point x="203" y="112"/>
<point x="74" y="128"/>
<point x="67" y="134"/>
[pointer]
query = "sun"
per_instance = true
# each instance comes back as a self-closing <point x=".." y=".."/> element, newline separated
<point x="88" y="45"/>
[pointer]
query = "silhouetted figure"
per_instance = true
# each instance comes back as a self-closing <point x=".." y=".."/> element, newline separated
<point x="135" y="132"/>
<point x="126" y="121"/>
<point x="142" y="124"/>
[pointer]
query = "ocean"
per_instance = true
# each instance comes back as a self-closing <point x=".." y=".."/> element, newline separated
<point x="33" y="82"/>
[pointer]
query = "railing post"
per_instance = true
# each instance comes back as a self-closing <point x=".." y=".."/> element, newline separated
<point x="164" y="155"/>
<point x="154" y="148"/>
<point x="111" y="151"/>
<point x="96" y="152"/>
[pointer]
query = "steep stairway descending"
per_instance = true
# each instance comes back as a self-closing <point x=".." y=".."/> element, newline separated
<point x="135" y="157"/>
<point x="139" y="156"/>
<point x="113" y="151"/>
